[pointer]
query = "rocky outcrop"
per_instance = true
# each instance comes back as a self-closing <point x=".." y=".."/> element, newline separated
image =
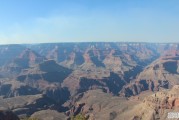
<point x="147" y="106"/>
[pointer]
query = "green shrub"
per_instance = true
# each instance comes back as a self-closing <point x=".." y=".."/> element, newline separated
<point x="78" y="117"/>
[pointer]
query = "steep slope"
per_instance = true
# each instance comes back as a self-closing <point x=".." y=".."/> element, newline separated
<point x="48" y="71"/>
<point x="27" y="58"/>
<point x="30" y="57"/>
<point x="163" y="72"/>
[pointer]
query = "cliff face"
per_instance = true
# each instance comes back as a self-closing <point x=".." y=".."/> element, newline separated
<point x="160" y="104"/>
<point x="161" y="73"/>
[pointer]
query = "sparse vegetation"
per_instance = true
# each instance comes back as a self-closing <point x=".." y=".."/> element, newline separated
<point x="79" y="117"/>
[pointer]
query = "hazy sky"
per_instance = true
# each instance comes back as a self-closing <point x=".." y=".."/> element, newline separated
<point x="37" y="21"/>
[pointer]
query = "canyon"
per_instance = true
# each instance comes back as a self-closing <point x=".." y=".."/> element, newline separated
<point x="101" y="80"/>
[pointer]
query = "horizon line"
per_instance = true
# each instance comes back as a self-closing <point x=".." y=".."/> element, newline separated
<point x="87" y="42"/>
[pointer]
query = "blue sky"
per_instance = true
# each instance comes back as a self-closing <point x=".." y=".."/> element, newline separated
<point x="39" y="21"/>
